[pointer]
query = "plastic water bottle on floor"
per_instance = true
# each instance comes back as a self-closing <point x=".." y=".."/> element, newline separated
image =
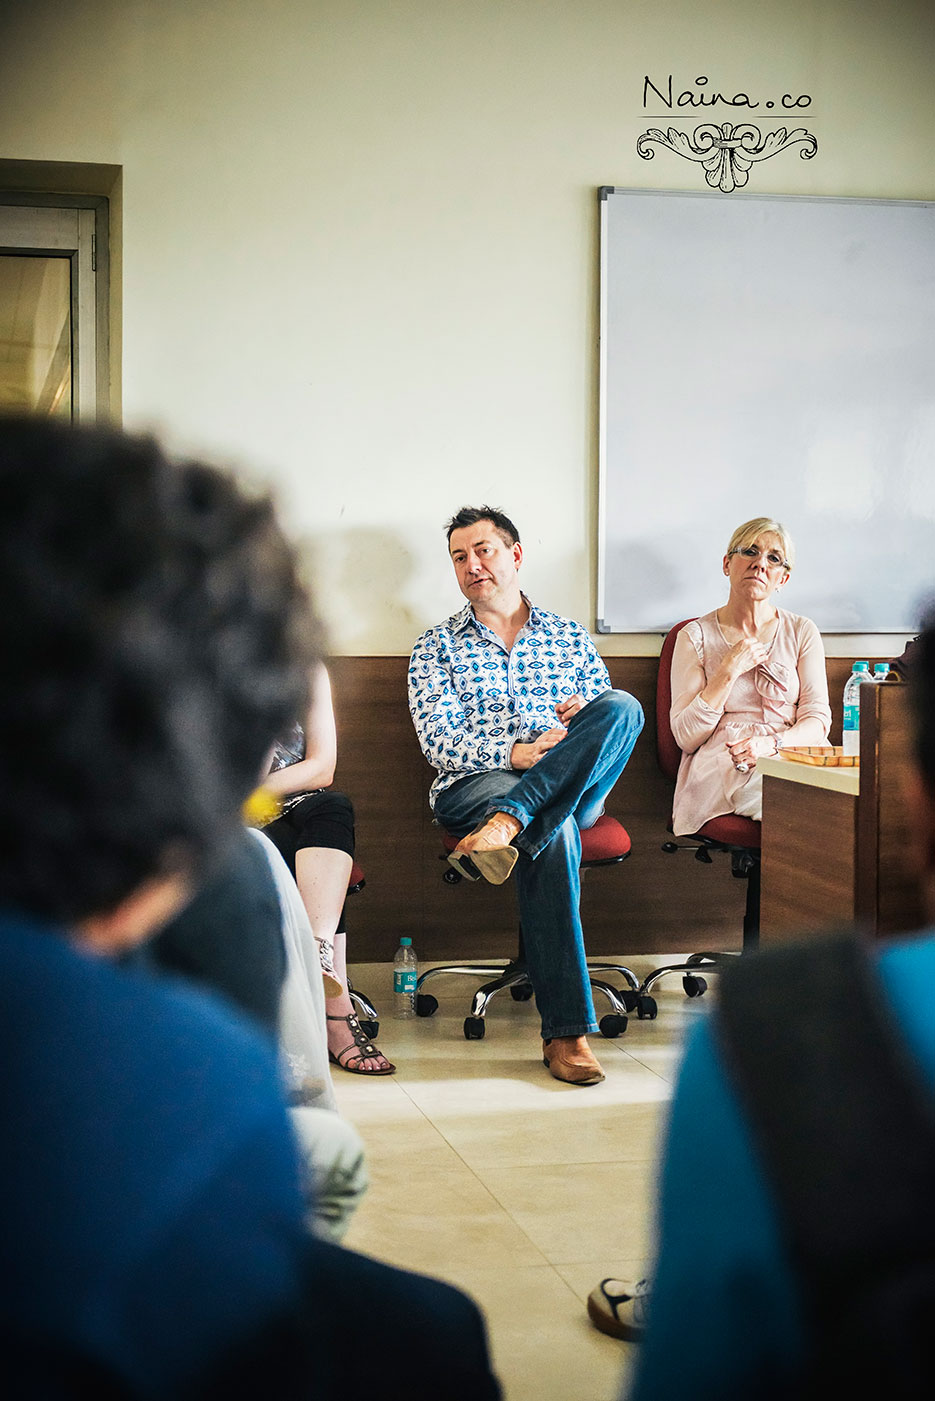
<point x="405" y="973"/>
<point x="859" y="674"/>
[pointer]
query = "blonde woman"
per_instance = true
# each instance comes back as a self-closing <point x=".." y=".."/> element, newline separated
<point x="747" y="680"/>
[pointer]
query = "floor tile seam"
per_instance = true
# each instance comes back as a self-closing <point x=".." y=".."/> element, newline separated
<point x="525" y="1071"/>
<point x="573" y="1292"/>
<point x="489" y="1190"/>
<point x="403" y="1087"/>
<point x="651" y="1068"/>
<point x="648" y="1160"/>
<point x="659" y="1076"/>
<point x="438" y="1115"/>
<point x="474" y="1280"/>
<point x="527" y="1212"/>
<point x="480" y="1275"/>
<point x="482" y="1166"/>
<point x="483" y="1273"/>
<point x="424" y="1114"/>
<point x="485" y="1187"/>
<point x="598" y="1262"/>
<point x="493" y="1214"/>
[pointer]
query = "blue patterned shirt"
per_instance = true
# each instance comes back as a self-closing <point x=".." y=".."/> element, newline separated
<point x="471" y="700"/>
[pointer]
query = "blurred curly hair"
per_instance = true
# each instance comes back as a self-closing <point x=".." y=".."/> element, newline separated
<point x="155" y="638"/>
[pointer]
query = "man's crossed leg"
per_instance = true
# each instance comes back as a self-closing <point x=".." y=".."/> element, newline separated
<point x="541" y="812"/>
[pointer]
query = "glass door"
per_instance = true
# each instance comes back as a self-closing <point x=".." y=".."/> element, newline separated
<point x="36" y="334"/>
<point x="53" y="341"/>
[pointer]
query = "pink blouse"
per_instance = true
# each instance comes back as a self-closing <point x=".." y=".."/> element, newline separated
<point x="787" y="695"/>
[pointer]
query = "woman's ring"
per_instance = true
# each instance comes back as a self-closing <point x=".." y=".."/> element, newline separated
<point x="743" y="768"/>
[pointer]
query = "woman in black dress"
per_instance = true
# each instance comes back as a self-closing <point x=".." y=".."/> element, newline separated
<point x="315" y="834"/>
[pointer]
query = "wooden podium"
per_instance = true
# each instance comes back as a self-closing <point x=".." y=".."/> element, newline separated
<point x="837" y="843"/>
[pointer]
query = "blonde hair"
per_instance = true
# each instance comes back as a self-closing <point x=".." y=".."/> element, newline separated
<point x="751" y="531"/>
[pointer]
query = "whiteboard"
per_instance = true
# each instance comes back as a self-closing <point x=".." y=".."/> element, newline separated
<point x="766" y="356"/>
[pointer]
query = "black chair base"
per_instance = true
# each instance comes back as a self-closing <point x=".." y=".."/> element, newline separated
<point x="744" y="865"/>
<point x="513" y="975"/>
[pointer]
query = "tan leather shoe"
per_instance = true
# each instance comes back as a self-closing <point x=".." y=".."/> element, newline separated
<point x="495" y="864"/>
<point x="571" y="1059"/>
<point x="487" y="851"/>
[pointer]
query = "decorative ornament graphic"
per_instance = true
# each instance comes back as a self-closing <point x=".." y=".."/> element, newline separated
<point x="727" y="151"/>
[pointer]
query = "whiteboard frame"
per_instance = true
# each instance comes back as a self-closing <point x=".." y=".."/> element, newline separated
<point x="604" y="193"/>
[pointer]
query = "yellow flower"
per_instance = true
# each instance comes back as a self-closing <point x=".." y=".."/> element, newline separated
<point x="261" y="808"/>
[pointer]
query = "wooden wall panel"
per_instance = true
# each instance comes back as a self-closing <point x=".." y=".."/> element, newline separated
<point x="653" y="902"/>
<point x="809" y="861"/>
<point x="890" y="895"/>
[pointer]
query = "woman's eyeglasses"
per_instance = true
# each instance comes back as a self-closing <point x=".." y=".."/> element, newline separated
<point x="773" y="558"/>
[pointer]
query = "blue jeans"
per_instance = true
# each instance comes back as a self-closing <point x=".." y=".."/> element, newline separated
<point x="555" y="799"/>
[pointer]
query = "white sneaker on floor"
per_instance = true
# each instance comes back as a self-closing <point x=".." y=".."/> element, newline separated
<point x="619" y="1309"/>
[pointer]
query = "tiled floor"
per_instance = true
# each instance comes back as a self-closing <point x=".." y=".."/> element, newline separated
<point x="525" y="1192"/>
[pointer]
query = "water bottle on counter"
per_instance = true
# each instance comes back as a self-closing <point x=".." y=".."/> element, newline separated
<point x="881" y="671"/>
<point x="859" y="674"/>
<point x="405" y="974"/>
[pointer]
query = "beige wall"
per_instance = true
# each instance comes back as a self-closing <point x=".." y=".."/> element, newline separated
<point x="360" y="239"/>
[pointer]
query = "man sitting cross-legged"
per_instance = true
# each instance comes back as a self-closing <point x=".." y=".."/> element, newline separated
<point x="514" y="708"/>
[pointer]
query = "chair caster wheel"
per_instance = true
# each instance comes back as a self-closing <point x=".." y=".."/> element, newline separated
<point x="426" y="1004"/>
<point x="630" y="1000"/>
<point x="521" y="992"/>
<point x="646" y="1008"/>
<point x="612" y="1025"/>
<point x="451" y="876"/>
<point x="474" y="1028"/>
<point x="694" y="986"/>
<point x="370" y="1027"/>
<point x="669" y="847"/>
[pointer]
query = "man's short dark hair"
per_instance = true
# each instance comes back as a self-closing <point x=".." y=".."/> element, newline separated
<point x="922" y="689"/>
<point x="470" y="515"/>
<point x="154" y="639"/>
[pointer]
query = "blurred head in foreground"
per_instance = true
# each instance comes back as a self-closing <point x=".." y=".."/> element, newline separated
<point x="154" y="638"/>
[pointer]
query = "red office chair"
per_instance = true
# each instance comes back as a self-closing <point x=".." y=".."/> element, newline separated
<point x="607" y="843"/>
<point x="738" y="836"/>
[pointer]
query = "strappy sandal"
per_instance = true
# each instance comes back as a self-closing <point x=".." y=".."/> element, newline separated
<point x="333" y="985"/>
<point x="358" y="1050"/>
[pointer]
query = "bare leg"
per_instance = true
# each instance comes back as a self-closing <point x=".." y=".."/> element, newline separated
<point x="322" y="874"/>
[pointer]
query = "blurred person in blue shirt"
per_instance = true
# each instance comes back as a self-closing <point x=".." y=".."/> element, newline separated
<point x="155" y="639"/>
